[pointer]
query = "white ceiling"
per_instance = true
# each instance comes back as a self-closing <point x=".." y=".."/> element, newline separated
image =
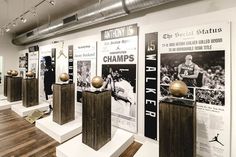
<point x="11" y="9"/>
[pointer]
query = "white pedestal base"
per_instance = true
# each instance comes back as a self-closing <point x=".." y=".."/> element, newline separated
<point x="148" y="149"/>
<point x="2" y="97"/>
<point x="58" y="132"/>
<point x="4" y="104"/>
<point x="120" y="141"/>
<point x="25" y="111"/>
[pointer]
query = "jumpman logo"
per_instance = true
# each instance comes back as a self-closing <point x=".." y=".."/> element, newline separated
<point x="215" y="139"/>
<point x="61" y="52"/>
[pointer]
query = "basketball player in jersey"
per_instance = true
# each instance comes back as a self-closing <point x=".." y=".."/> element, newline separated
<point x="188" y="71"/>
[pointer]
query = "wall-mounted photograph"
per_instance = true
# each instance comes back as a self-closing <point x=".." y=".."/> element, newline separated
<point x="196" y="69"/>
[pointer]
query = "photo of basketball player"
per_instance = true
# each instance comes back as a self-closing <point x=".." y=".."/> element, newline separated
<point x="120" y="79"/>
<point x="188" y="71"/>
<point x="83" y="78"/>
<point x="202" y="71"/>
<point x="196" y="69"/>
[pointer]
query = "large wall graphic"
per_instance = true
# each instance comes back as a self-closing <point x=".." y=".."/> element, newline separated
<point x="150" y="101"/>
<point x="85" y="66"/>
<point x="118" y="58"/>
<point x="23" y="63"/>
<point x="33" y="60"/>
<point x="200" y="56"/>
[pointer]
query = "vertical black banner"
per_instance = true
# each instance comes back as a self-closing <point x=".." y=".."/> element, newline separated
<point x="54" y="57"/>
<point x="26" y="62"/>
<point x="70" y="63"/>
<point x="151" y="85"/>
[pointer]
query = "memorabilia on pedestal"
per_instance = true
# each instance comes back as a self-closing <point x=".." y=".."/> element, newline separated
<point x="63" y="100"/>
<point x="30" y="96"/>
<point x="96" y="116"/>
<point x="177" y="136"/>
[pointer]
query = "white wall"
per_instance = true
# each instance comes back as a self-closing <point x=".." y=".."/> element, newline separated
<point x="10" y="55"/>
<point x="171" y="16"/>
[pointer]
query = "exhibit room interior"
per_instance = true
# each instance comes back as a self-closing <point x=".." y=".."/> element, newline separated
<point x="117" y="78"/>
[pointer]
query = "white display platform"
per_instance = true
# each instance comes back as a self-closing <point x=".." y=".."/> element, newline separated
<point x="120" y="141"/>
<point x="2" y="97"/>
<point x="148" y="149"/>
<point x="4" y="104"/>
<point x="60" y="133"/>
<point x="25" y="111"/>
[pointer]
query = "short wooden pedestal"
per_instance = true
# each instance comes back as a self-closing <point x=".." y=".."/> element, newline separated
<point x="30" y="95"/>
<point x="14" y="89"/>
<point x="96" y="118"/>
<point x="177" y="137"/>
<point x="5" y="85"/>
<point x="63" y="103"/>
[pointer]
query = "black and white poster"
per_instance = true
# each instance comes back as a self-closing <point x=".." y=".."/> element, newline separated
<point x="47" y="71"/>
<point x="200" y="57"/>
<point x="117" y="59"/>
<point x="33" y="61"/>
<point x="151" y="49"/>
<point x="85" y="60"/>
<point x="23" y="63"/>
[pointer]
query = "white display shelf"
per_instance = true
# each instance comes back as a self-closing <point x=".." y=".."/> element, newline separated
<point x="4" y="104"/>
<point x="60" y="133"/>
<point x="25" y="111"/>
<point x="148" y="149"/>
<point x="120" y="141"/>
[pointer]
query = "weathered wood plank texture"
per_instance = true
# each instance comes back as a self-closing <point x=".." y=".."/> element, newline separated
<point x="63" y="103"/>
<point x="96" y="118"/>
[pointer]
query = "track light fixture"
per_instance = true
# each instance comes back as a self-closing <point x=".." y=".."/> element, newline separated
<point x="7" y="29"/>
<point x="52" y="2"/>
<point x="14" y="24"/>
<point x="21" y="17"/>
<point x="24" y="20"/>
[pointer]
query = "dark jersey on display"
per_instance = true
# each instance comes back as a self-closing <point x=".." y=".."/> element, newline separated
<point x="188" y="70"/>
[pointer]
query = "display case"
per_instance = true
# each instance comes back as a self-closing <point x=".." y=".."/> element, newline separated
<point x="177" y="129"/>
<point x="63" y="103"/>
<point x="30" y="96"/>
<point x="96" y="118"/>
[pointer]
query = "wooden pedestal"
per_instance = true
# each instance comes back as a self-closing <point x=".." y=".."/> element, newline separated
<point x="96" y="118"/>
<point x="5" y="85"/>
<point x="14" y="89"/>
<point x="63" y="103"/>
<point x="30" y="95"/>
<point x="177" y="130"/>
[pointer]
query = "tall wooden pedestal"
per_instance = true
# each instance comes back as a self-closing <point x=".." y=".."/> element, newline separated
<point x="63" y="103"/>
<point x="30" y="95"/>
<point x="96" y="118"/>
<point x="5" y="85"/>
<point x="177" y="133"/>
<point x="14" y="89"/>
